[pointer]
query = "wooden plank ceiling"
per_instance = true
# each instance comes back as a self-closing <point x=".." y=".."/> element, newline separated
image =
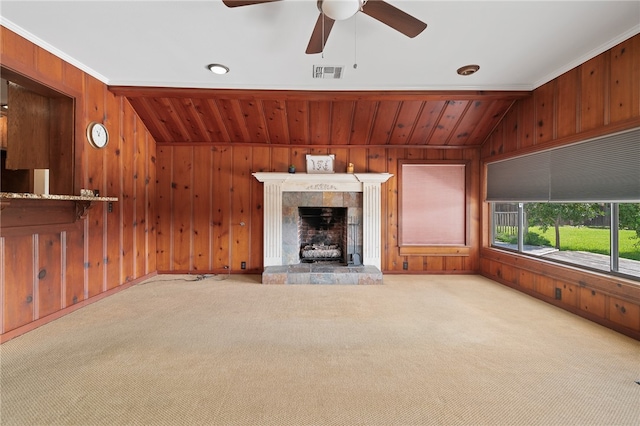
<point x="302" y="118"/>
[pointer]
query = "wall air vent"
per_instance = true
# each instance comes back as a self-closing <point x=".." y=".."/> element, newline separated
<point x="333" y="72"/>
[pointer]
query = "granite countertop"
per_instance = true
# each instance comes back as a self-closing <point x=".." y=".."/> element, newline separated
<point x="29" y="196"/>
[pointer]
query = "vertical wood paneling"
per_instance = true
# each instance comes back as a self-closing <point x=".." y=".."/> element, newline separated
<point x="49" y="272"/>
<point x="276" y="121"/>
<point x="341" y="123"/>
<point x="126" y="202"/>
<point x="625" y="89"/>
<point x="298" y="117"/>
<point x="182" y="209"/>
<point x="18" y="294"/>
<point x="222" y="168"/>
<point x="363" y="117"/>
<point x="426" y="123"/>
<point x="241" y="206"/>
<point x="319" y="125"/>
<point x="544" y="113"/>
<point x="593" y="91"/>
<point x="567" y="87"/>
<point x="202" y="206"/>
<point x="401" y="133"/>
<point x="164" y="211"/>
<point x="261" y="161"/>
<point x="384" y="123"/>
<point x="113" y="188"/>
<point x="140" y="179"/>
<point x="46" y="273"/>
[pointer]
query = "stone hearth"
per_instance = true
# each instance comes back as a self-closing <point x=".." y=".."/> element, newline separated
<point x="318" y="273"/>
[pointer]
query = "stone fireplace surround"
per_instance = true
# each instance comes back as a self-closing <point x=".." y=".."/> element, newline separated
<point x="276" y="260"/>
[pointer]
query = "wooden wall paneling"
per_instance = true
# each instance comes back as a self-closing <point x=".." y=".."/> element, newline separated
<point x="163" y="211"/>
<point x="241" y="207"/>
<point x="202" y="209"/>
<point x="512" y="133"/>
<point x="415" y="263"/>
<point x="18" y="292"/>
<point x="385" y="122"/>
<point x="570" y="293"/>
<point x="526" y="280"/>
<point x="140" y="179"/>
<point x="475" y="200"/>
<point x="126" y="204"/>
<point x="17" y="52"/>
<point x="415" y="153"/>
<point x="624" y="313"/>
<point x="222" y="168"/>
<point x="113" y="188"/>
<point x="405" y="122"/>
<point x="319" y="124"/>
<point x="49" y="274"/>
<point x="593" y="92"/>
<point x="75" y="277"/>
<point x="376" y="163"/>
<point x="254" y="120"/>
<point x="298" y="116"/>
<point x="545" y="286"/>
<point x="279" y="160"/>
<point x="427" y="121"/>
<point x="342" y="116"/>
<point x="182" y="208"/>
<point x="154" y="122"/>
<point x="363" y="116"/>
<point x="566" y="116"/>
<point x="276" y="121"/>
<point x="231" y="118"/>
<point x="358" y="156"/>
<point x="526" y="112"/>
<point x="198" y="111"/>
<point x="625" y="89"/>
<point x="72" y="78"/>
<point x="434" y="264"/>
<point x="391" y="259"/>
<point x="260" y="162"/>
<point x="298" y="157"/>
<point x="94" y="102"/>
<point x="448" y="122"/>
<point x="593" y="302"/>
<point x="48" y="65"/>
<point x="497" y="140"/>
<point x="454" y="263"/>
<point x="150" y="201"/>
<point x="341" y="159"/>
<point x="544" y="113"/>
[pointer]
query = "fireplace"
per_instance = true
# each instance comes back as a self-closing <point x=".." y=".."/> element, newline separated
<point x="322" y="234"/>
<point x="285" y="192"/>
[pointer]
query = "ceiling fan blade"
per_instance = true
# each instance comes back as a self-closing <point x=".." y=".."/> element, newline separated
<point x="316" y="43"/>
<point x="394" y="17"/>
<point x="236" y="3"/>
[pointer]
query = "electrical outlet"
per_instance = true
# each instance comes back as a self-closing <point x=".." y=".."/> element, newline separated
<point x="110" y="207"/>
<point x="243" y="265"/>
<point x="558" y="294"/>
<point x="405" y="265"/>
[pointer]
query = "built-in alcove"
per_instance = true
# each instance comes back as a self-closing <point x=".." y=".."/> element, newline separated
<point x="37" y="134"/>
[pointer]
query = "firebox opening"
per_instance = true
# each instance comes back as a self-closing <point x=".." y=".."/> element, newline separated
<point x="322" y="233"/>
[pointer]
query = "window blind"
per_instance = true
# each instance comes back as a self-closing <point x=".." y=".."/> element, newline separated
<point x="605" y="169"/>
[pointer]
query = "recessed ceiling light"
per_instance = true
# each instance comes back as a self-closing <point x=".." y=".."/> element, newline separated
<point x="218" y="68"/>
<point x="468" y="69"/>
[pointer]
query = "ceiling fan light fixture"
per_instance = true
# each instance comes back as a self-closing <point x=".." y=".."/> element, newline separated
<point x="339" y="10"/>
<point x="468" y="70"/>
<point x="218" y="69"/>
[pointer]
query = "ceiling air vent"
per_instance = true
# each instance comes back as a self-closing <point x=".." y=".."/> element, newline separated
<point x="320" y="71"/>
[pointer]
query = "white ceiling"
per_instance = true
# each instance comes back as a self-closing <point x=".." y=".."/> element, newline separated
<point x="519" y="45"/>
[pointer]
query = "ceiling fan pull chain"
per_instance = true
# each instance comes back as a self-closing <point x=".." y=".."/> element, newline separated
<point x="355" y="42"/>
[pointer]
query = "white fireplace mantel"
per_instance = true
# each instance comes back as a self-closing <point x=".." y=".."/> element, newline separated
<point x="367" y="183"/>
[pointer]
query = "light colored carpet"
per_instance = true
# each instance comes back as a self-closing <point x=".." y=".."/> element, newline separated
<point x="417" y="350"/>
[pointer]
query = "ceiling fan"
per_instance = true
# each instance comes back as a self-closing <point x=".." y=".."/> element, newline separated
<point x="337" y="10"/>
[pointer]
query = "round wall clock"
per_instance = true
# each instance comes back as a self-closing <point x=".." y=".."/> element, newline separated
<point x="97" y="134"/>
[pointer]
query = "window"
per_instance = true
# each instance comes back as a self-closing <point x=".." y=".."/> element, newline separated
<point x="576" y="204"/>
<point x="604" y="237"/>
<point x="432" y="207"/>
